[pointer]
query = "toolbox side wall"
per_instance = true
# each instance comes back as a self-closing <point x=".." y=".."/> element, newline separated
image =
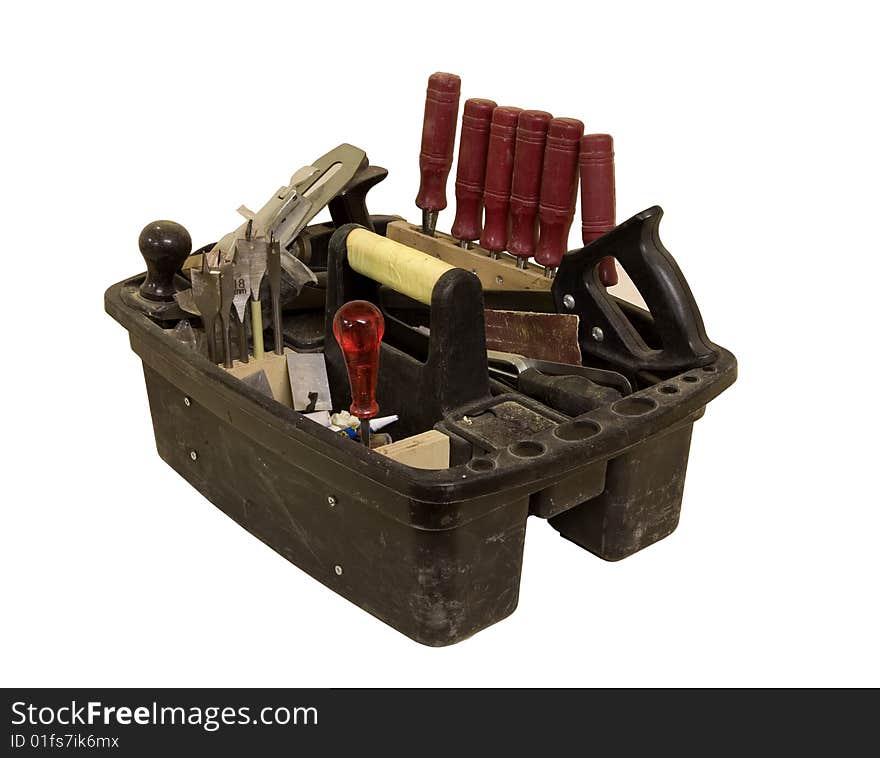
<point x="641" y="502"/>
<point x="436" y="586"/>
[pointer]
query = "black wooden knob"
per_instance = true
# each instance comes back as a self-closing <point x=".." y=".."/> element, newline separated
<point x="165" y="245"/>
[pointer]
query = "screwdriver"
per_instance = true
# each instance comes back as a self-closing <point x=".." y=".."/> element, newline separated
<point x="499" y="173"/>
<point x="438" y="142"/>
<point x="598" y="202"/>
<point x="358" y="327"/>
<point x="559" y="179"/>
<point x="472" y="151"/>
<point x="531" y="136"/>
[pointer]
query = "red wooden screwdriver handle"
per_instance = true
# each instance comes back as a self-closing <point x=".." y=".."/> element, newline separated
<point x="598" y="203"/>
<point x="525" y="191"/>
<point x="472" y="151"/>
<point x="358" y="327"/>
<point x="499" y="173"/>
<point x="558" y="189"/>
<point x="438" y="140"/>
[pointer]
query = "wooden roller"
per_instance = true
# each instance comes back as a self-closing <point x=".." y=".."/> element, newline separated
<point x="395" y="265"/>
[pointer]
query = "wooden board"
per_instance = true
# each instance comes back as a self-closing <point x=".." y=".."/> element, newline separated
<point x="428" y="450"/>
<point x="545" y="336"/>
<point x="501" y="274"/>
<point x="275" y="367"/>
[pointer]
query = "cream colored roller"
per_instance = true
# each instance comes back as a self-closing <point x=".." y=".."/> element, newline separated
<point x="402" y="268"/>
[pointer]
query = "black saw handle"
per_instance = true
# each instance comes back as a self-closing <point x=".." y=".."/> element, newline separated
<point x="605" y="331"/>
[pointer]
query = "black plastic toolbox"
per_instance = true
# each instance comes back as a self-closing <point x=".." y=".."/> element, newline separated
<point x="438" y="554"/>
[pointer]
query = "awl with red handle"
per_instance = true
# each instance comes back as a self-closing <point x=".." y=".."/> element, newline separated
<point x="598" y="203"/>
<point x="525" y="191"/>
<point x="358" y="327"/>
<point x="559" y="179"/>
<point x="472" y="151"/>
<point x="499" y="174"/>
<point x="438" y="142"/>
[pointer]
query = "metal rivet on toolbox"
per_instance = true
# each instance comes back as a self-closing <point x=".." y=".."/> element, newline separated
<point x="568" y="302"/>
<point x="193" y="454"/>
<point x="597" y="333"/>
<point x="331" y="501"/>
<point x="186" y="401"/>
<point x="338" y="569"/>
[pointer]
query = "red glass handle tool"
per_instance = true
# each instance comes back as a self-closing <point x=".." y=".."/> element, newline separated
<point x="525" y="191"/>
<point x="438" y="142"/>
<point x="472" y="151"/>
<point x="558" y="191"/>
<point x="499" y="174"/>
<point x="598" y="202"/>
<point x="358" y="327"/>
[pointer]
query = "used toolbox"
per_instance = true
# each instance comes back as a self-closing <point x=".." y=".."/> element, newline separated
<point x="437" y="553"/>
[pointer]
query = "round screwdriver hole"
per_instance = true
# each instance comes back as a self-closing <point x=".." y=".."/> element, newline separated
<point x="577" y="430"/>
<point x="709" y="369"/>
<point x="669" y="389"/>
<point x="690" y="379"/>
<point x="634" y="406"/>
<point x="481" y="464"/>
<point x="527" y="449"/>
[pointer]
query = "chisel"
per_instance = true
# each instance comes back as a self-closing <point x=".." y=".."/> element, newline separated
<point x="598" y="202"/>
<point x="525" y="191"/>
<point x="499" y="174"/>
<point x="472" y="150"/>
<point x="559" y="179"/>
<point x="438" y="143"/>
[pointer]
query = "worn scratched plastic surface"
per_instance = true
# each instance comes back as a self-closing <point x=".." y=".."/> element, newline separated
<point x="435" y="554"/>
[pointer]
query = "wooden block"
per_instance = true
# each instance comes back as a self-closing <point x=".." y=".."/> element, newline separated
<point x="545" y="336"/>
<point x="501" y="274"/>
<point x="275" y="367"/>
<point x="428" y="450"/>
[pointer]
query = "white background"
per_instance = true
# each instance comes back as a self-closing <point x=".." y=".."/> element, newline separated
<point x="754" y="127"/>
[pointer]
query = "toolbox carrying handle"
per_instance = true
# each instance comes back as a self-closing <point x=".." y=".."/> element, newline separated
<point x="604" y="330"/>
<point x="455" y="372"/>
